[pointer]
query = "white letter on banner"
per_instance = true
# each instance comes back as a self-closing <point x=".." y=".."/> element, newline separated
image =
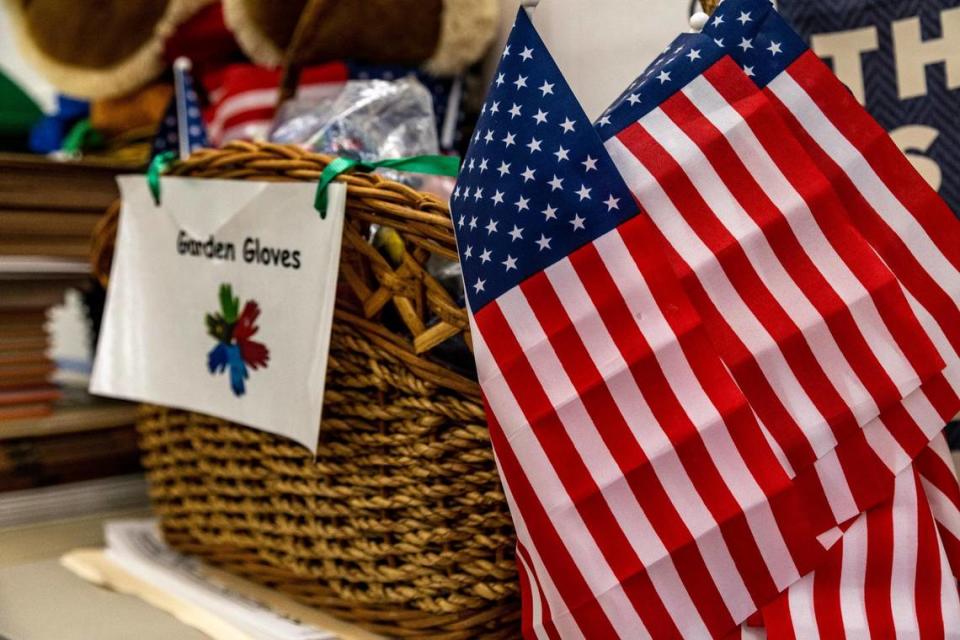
<point x="914" y="141"/>
<point x="845" y="49"/>
<point x="914" y="54"/>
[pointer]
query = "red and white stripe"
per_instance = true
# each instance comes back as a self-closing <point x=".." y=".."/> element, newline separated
<point x="888" y="576"/>
<point x="789" y="292"/>
<point x="898" y="213"/>
<point x="611" y="410"/>
<point x="243" y="97"/>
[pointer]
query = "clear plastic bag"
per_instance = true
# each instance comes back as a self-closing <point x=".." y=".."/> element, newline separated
<point x="369" y="120"/>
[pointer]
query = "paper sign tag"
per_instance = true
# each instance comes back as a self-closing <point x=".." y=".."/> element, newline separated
<point x="221" y="301"/>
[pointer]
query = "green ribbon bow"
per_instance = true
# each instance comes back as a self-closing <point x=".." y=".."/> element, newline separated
<point x="160" y="163"/>
<point x="433" y="165"/>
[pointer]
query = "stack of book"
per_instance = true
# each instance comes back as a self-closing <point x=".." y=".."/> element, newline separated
<point x="52" y="433"/>
<point x="49" y="208"/>
<point x="29" y="287"/>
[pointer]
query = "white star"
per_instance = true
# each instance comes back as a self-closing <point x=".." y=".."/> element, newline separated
<point x="506" y="51"/>
<point x="546" y="88"/>
<point x="749" y="71"/>
<point x="604" y="121"/>
<point x="461" y="221"/>
<point x="744" y="18"/>
<point x="528" y="174"/>
<point x="478" y="287"/>
<point x="526" y="54"/>
<point x="456" y="193"/>
<point x="520" y="82"/>
<point x="717" y="21"/>
<point x="504" y="169"/>
<point x="612" y="203"/>
<point x="510" y="262"/>
<point x="495" y="107"/>
<point x="489" y="136"/>
<point x="541" y="116"/>
<point x="468" y="253"/>
<point x="534" y="145"/>
<point x="694" y="54"/>
<point x="466" y="193"/>
<point x="567" y="125"/>
<point x="719" y="41"/>
<point x="664" y="76"/>
<point x="556" y="183"/>
<point x="485" y="256"/>
<point x="491" y="226"/>
<point x="483" y="165"/>
<point x="516" y="233"/>
<point x="523" y="204"/>
<point x="745" y="44"/>
<point x="497" y="197"/>
<point x="500" y="79"/>
<point x="584" y="193"/>
<point x="633" y="99"/>
<point x="590" y="164"/>
<point x="774" y="48"/>
<point x="577" y="222"/>
<point x="473" y="223"/>
<point x="477" y="194"/>
<point x="509" y="139"/>
<point x="544" y="242"/>
<point x="550" y="213"/>
<point x="514" y="111"/>
<point x="470" y="165"/>
<point x="562" y="154"/>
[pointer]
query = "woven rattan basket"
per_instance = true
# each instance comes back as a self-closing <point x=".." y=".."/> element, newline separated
<point x="400" y="524"/>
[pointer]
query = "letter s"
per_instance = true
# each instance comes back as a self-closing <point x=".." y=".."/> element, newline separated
<point x="915" y="140"/>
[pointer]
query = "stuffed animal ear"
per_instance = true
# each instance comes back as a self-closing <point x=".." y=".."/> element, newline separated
<point x="98" y="48"/>
<point x="442" y="36"/>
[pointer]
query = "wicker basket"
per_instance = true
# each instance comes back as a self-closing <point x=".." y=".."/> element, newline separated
<point x="400" y="524"/>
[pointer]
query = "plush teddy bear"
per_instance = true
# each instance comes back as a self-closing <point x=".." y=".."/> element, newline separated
<point x="441" y="36"/>
<point x="106" y="48"/>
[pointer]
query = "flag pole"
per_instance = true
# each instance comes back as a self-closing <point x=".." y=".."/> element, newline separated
<point x="182" y="66"/>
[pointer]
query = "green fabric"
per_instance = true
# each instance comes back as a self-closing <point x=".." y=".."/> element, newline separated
<point x="433" y="165"/>
<point x="18" y="112"/>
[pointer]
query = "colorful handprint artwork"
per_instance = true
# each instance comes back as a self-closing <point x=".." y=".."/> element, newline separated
<point x="233" y="329"/>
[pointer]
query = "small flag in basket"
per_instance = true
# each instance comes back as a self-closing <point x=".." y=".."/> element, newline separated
<point x="182" y="129"/>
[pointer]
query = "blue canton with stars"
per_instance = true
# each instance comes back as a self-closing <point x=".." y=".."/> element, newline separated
<point x="182" y="118"/>
<point x="749" y="31"/>
<point x="536" y="183"/>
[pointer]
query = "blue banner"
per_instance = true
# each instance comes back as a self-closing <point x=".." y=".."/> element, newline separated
<point x="901" y="58"/>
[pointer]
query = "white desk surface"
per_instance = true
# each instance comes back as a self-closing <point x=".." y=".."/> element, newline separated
<point x="40" y="600"/>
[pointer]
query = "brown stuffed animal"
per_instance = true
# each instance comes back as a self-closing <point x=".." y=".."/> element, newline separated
<point x="442" y="36"/>
<point x="107" y="48"/>
<point x="98" y="48"/>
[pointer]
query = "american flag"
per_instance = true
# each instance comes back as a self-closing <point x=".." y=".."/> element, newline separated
<point x="182" y="129"/>
<point x="885" y="200"/>
<point x="648" y="498"/>
<point x="756" y="165"/>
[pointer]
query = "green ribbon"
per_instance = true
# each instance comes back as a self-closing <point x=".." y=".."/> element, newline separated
<point x="81" y="136"/>
<point x="159" y="165"/>
<point x="432" y="165"/>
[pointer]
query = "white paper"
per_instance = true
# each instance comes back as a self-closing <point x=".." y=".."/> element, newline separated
<point x="268" y="243"/>
<point x="137" y="547"/>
